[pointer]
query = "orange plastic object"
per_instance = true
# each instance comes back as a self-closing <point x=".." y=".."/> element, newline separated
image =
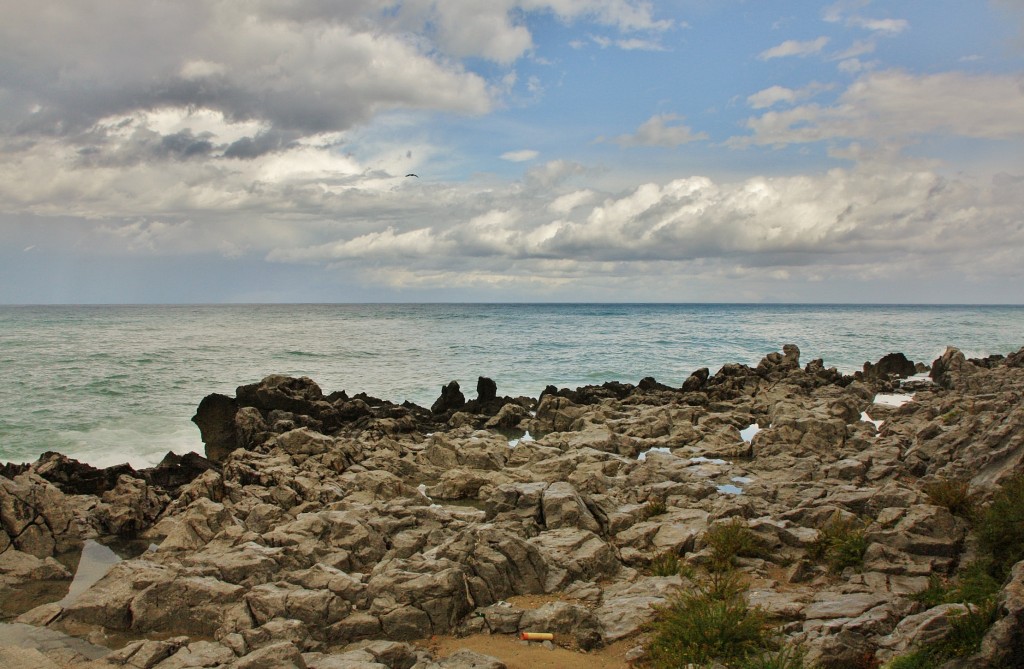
<point x="536" y="636"/>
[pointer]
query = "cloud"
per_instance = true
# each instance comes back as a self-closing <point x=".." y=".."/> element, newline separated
<point x="301" y="67"/>
<point x="375" y="245"/>
<point x="521" y="156"/>
<point x="842" y="223"/>
<point x="888" y="26"/>
<point x="665" y="130"/>
<point x="898" y="105"/>
<point x="631" y="44"/>
<point x="775" y="95"/>
<point x="858" y="48"/>
<point x="849" y="14"/>
<point x="309" y="73"/>
<point x="794" y="48"/>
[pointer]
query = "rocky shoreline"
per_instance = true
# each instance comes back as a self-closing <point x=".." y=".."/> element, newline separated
<point x="330" y="532"/>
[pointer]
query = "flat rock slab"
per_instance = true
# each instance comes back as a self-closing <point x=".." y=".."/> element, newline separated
<point x="42" y="639"/>
<point x="15" y="657"/>
<point x="827" y="605"/>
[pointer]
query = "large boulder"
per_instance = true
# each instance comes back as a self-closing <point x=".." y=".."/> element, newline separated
<point x="36" y="517"/>
<point x="215" y="417"/>
<point x="130" y="507"/>
<point x="451" y="399"/>
<point x="889" y="366"/>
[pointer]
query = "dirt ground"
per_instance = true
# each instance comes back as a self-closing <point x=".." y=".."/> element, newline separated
<point x="533" y="655"/>
<point x="518" y="654"/>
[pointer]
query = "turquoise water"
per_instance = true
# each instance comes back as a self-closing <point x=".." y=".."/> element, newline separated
<point x="109" y="384"/>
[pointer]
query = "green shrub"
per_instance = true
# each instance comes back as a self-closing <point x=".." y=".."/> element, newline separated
<point x="666" y="564"/>
<point x="654" y="507"/>
<point x="918" y="659"/>
<point x="973" y="585"/>
<point x="1000" y="528"/>
<point x="937" y="592"/>
<point x="951" y="494"/>
<point x="730" y="540"/>
<point x="788" y="657"/>
<point x="951" y="416"/>
<point x="964" y="638"/>
<point x="712" y="624"/>
<point x="841" y="543"/>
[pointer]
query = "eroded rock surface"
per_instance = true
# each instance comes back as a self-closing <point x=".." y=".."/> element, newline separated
<point x="332" y="531"/>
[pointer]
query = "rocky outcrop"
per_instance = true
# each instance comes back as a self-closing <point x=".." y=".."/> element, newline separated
<point x="892" y="365"/>
<point x="334" y="531"/>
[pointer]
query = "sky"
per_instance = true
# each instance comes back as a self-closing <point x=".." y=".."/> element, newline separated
<point x="160" y="151"/>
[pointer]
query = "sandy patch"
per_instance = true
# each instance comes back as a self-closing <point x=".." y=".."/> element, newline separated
<point x="518" y="654"/>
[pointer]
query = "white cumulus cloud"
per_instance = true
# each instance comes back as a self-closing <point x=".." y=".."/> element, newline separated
<point x="794" y="48"/>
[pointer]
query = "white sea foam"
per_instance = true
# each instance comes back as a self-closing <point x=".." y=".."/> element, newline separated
<point x="140" y="443"/>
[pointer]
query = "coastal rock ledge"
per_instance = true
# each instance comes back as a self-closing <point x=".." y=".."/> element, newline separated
<point x="329" y="532"/>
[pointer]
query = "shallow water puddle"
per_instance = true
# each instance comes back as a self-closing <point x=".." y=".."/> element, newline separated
<point x="729" y="489"/>
<point x="657" y="449"/>
<point x="868" y="419"/>
<point x="893" y="399"/>
<point x="526" y="438"/>
<point x="94" y="564"/>
<point x="747" y="433"/>
<point x="700" y="459"/>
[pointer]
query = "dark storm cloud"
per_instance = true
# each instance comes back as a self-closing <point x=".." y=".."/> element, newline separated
<point x="299" y="66"/>
<point x="261" y="144"/>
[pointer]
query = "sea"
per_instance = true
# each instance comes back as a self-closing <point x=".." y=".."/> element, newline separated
<point x="113" y="384"/>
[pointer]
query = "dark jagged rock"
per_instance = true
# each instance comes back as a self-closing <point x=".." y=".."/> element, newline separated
<point x="78" y="478"/>
<point x="826" y="376"/>
<point x="696" y="381"/>
<point x="1015" y="359"/>
<point x="451" y="399"/>
<point x="284" y="393"/>
<point x="650" y="384"/>
<point x="176" y="471"/>
<point x="215" y="417"/>
<point x="486" y="390"/>
<point x="889" y="366"/>
<point x="587" y="395"/>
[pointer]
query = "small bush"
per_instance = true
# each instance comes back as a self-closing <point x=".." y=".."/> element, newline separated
<point x="666" y="564"/>
<point x="964" y="638"/>
<point x="788" y="657"/>
<point x="973" y="585"/>
<point x="967" y="631"/>
<point x="730" y="540"/>
<point x="841" y="543"/>
<point x="654" y="507"/>
<point x="937" y="592"/>
<point x="917" y="659"/>
<point x="712" y="624"/>
<point x="951" y="494"/>
<point x="951" y="416"/>
<point x="1000" y="528"/>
